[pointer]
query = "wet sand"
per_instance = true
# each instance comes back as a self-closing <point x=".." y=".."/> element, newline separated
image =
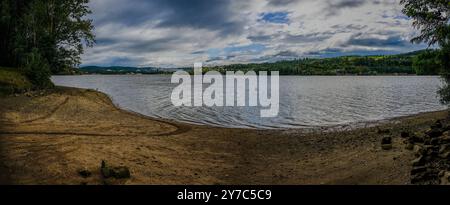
<point x="46" y="139"/>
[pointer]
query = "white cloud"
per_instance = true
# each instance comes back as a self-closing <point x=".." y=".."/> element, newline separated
<point x="139" y="33"/>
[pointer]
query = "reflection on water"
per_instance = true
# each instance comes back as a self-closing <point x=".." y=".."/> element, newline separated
<point x="304" y="101"/>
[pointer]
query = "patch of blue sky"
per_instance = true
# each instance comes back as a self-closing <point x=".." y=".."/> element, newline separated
<point x="253" y="48"/>
<point x="275" y="17"/>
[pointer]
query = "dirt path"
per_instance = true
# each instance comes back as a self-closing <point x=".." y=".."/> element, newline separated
<point x="46" y="139"/>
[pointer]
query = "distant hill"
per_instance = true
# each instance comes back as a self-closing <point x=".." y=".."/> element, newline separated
<point x="118" y="70"/>
<point x="421" y="62"/>
<point x="413" y="53"/>
<point x="127" y="70"/>
<point x="406" y="63"/>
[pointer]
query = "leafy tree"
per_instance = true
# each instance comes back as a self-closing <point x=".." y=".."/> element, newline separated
<point x="53" y="31"/>
<point x="37" y="70"/>
<point x="432" y="18"/>
<point x="11" y="14"/>
<point x="427" y="63"/>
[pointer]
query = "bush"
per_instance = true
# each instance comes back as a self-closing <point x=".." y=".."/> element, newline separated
<point x="37" y="71"/>
<point x="427" y="63"/>
<point x="12" y="81"/>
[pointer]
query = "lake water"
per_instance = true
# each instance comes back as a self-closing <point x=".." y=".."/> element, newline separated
<point x="305" y="102"/>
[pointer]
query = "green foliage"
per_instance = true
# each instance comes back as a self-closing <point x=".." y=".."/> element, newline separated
<point x="444" y="92"/>
<point x="445" y="60"/>
<point x="346" y="65"/>
<point x="54" y="30"/>
<point x="12" y="81"/>
<point x="432" y="18"/>
<point x="37" y="70"/>
<point x="427" y="63"/>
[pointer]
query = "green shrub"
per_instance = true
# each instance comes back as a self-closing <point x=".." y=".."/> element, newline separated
<point x="427" y="63"/>
<point x="12" y="81"/>
<point x="37" y="70"/>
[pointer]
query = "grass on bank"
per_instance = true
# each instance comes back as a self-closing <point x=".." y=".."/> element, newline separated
<point x="13" y="81"/>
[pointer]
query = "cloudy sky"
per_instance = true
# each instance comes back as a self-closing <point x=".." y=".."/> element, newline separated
<point x="173" y="33"/>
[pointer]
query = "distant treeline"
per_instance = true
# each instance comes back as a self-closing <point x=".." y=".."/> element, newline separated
<point x="120" y="70"/>
<point x="424" y="62"/>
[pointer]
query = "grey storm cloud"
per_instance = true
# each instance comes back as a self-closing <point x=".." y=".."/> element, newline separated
<point x="203" y="14"/>
<point x="281" y="2"/>
<point x="348" y="3"/>
<point x="220" y="58"/>
<point x="260" y="38"/>
<point x="348" y="27"/>
<point x="282" y="55"/>
<point x="312" y="37"/>
<point x="292" y="38"/>
<point x="180" y="32"/>
<point x="335" y="6"/>
<point x="391" y="41"/>
<point x="289" y="54"/>
<point x="155" y="45"/>
<point x="139" y="45"/>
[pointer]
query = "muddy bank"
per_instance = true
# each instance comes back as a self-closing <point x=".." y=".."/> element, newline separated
<point x="49" y="137"/>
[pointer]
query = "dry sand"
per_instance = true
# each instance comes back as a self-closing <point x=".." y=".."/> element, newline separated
<point x="46" y="139"/>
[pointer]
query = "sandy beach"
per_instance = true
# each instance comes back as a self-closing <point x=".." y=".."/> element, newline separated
<point x="48" y="137"/>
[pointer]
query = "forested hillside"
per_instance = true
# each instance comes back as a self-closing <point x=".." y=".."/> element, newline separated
<point x="423" y="62"/>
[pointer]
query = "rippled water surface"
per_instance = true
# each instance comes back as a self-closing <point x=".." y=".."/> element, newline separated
<point x="304" y="101"/>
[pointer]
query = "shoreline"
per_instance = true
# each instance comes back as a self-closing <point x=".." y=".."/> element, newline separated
<point x="325" y="128"/>
<point x="381" y="75"/>
<point x="45" y="139"/>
